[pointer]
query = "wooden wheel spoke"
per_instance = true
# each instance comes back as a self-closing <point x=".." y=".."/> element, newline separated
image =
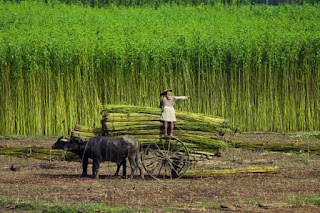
<point x="146" y="159"/>
<point x="177" y="150"/>
<point x="174" y="147"/>
<point x="172" y="168"/>
<point x="163" y="148"/>
<point x="177" y="165"/>
<point x="157" y="160"/>
<point x="165" y="172"/>
<point x="155" y="167"/>
<point x="157" y="146"/>
<point x="160" y="169"/>
<point x="159" y="154"/>
<point x="170" y="172"/>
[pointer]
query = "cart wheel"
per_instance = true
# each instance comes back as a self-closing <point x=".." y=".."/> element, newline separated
<point x="166" y="158"/>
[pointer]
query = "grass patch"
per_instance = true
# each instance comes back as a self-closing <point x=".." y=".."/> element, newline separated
<point x="255" y="201"/>
<point x="211" y="205"/>
<point x="302" y="200"/>
<point x="313" y="200"/>
<point x="171" y="209"/>
<point x="302" y="160"/>
<point x="315" y="134"/>
<point x="32" y="206"/>
<point x="144" y="210"/>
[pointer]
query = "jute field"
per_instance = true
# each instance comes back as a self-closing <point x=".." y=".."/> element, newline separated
<point x="250" y="67"/>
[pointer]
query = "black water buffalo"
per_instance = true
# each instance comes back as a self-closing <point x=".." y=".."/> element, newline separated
<point x="61" y="142"/>
<point x="115" y="149"/>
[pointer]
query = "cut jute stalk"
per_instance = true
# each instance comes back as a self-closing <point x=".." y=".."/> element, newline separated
<point x="265" y="170"/>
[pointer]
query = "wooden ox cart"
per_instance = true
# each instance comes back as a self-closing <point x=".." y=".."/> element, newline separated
<point x="162" y="157"/>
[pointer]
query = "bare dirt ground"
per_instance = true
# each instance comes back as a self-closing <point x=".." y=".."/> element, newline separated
<point x="296" y="188"/>
<point x="272" y="137"/>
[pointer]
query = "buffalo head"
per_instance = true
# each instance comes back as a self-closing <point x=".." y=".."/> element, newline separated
<point x="60" y="143"/>
<point x="75" y="144"/>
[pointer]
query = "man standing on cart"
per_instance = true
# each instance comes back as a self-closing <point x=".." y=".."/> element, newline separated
<point x="168" y="113"/>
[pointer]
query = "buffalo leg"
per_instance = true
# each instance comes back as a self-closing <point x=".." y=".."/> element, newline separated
<point x="95" y="168"/>
<point x="138" y="164"/>
<point x="118" y="169"/>
<point x="124" y="168"/>
<point x="132" y="164"/>
<point x="84" y="167"/>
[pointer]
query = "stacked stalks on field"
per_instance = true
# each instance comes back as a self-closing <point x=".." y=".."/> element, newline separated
<point x="198" y="132"/>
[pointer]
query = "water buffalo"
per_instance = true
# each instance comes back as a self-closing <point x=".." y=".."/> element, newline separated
<point x="115" y="149"/>
<point x="62" y="141"/>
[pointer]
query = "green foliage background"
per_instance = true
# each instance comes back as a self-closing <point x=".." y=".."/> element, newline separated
<point x="61" y="64"/>
<point x="157" y="3"/>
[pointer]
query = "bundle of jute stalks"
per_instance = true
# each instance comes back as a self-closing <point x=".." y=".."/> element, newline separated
<point x="264" y="169"/>
<point x="197" y="131"/>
